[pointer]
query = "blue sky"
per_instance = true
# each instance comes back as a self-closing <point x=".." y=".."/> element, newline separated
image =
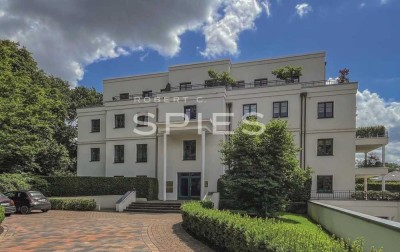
<point x="86" y="41"/>
<point x="364" y="39"/>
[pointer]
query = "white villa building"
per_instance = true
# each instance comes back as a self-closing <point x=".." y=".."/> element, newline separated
<point x="184" y="154"/>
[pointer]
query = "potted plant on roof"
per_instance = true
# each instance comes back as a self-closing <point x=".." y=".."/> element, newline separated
<point x="220" y="79"/>
<point x="343" y="75"/>
<point x="289" y="74"/>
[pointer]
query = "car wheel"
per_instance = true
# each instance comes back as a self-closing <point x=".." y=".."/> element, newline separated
<point x="45" y="210"/>
<point x="7" y="214"/>
<point x="25" y="209"/>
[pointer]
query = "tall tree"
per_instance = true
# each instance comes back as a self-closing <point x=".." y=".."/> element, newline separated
<point x="264" y="170"/>
<point x="35" y="114"/>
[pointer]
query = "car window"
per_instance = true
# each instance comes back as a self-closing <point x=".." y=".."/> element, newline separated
<point x="36" y="194"/>
<point x="10" y="194"/>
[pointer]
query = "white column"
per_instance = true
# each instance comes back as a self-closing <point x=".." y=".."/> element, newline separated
<point x="366" y="187"/>
<point x="383" y="155"/>
<point x="383" y="183"/>
<point x="203" y="161"/>
<point x="365" y="159"/>
<point x="165" y="169"/>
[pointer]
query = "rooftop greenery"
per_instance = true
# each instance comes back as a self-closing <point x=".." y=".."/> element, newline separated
<point x="371" y="131"/>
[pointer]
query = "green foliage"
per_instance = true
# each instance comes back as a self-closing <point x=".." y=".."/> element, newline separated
<point x="288" y="73"/>
<point x="391" y="186"/>
<point x="2" y="216"/>
<point x="377" y="195"/>
<point x="264" y="170"/>
<point x="36" y="114"/>
<point x="220" y="79"/>
<point x="16" y="182"/>
<point x="90" y="186"/>
<point x="371" y="131"/>
<point x="226" y="231"/>
<point x="73" y="204"/>
<point x="207" y="204"/>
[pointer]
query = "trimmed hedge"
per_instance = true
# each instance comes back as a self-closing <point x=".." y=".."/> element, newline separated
<point x="226" y="231"/>
<point x="377" y="195"/>
<point x="73" y="204"/>
<point x="90" y="186"/>
<point x="2" y="216"/>
<point x="390" y="186"/>
<point x="371" y="131"/>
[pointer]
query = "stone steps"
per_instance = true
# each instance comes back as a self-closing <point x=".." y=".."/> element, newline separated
<point x="154" y="207"/>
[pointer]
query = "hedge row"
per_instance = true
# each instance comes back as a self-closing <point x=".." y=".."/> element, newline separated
<point x="73" y="204"/>
<point x="2" y="216"/>
<point x="90" y="186"/>
<point x="226" y="231"/>
<point x="377" y="186"/>
<point x="376" y="195"/>
<point x="371" y="131"/>
<point x="20" y="181"/>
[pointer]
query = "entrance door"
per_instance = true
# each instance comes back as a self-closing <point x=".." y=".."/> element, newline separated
<point x="189" y="185"/>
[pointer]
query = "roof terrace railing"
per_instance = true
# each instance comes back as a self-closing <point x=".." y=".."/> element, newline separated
<point x="372" y="132"/>
<point x="182" y="87"/>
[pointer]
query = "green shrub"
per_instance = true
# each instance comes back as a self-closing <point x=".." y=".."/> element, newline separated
<point x="21" y="181"/>
<point x="1" y="214"/>
<point x="371" y="131"/>
<point x="390" y="186"/>
<point x="376" y="195"/>
<point x="207" y="204"/>
<point x="73" y="204"/>
<point x="226" y="231"/>
<point x="91" y="186"/>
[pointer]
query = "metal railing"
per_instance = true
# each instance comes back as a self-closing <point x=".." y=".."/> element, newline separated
<point x="332" y="195"/>
<point x="355" y="195"/>
<point x="230" y="87"/>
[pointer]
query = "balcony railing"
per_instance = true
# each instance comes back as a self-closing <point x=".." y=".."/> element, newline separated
<point x="355" y="195"/>
<point x="239" y="85"/>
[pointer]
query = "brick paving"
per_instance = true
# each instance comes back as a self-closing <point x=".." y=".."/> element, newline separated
<point x="96" y="231"/>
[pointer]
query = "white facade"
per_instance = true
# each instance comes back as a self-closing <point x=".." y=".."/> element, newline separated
<point x="165" y="151"/>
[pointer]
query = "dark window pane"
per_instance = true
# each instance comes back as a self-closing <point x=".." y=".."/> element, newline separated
<point x="124" y="96"/>
<point x="189" y="150"/>
<point x="120" y="121"/>
<point x="96" y="125"/>
<point x="325" y="110"/>
<point x="324" y="184"/>
<point x="325" y="147"/>
<point x="95" y="154"/>
<point x="142" y="121"/>
<point x="147" y="93"/>
<point x="190" y="111"/>
<point x="280" y="109"/>
<point x="141" y="153"/>
<point x="118" y="154"/>
<point x="185" y="86"/>
<point x="249" y="109"/>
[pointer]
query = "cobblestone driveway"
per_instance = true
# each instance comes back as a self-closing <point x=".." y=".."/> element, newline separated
<point x="96" y="231"/>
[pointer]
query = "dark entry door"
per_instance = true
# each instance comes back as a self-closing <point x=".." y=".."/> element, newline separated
<point x="189" y="185"/>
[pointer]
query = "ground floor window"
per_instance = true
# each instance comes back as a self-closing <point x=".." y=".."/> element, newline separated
<point x="118" y="153"/>
<point x="324" y="184"/>
<point x="141" y="153"/>
<point x="95" y="154"/>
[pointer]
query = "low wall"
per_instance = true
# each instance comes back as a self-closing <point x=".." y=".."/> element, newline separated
<point x="102" y="201"/>
<point x="377" y="208"/>
<point x="351" y="225"/>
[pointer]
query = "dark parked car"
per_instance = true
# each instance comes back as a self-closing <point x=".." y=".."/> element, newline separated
<point x="8" y="204"/>
<point x="26" y="201"/>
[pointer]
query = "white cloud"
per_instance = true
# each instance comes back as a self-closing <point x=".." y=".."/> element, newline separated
<point x="374" y="110"/>
<point x="222" y="34"/>
<point x="383" y="1"/>
<point x="303" y="9"/>
<point x="65" y="36"/>
<point x="143" y="57"/>
<point x="267" y="6"/>
<point x="362" y="5"/>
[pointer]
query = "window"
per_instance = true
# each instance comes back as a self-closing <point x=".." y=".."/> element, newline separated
<point x="96" y="125"/>
<point x="124" y="96"/>
<point x="142" y="121"/>
<point x="189" y="150"/>
<point x="325" y="147"/>
<point x="190" y="111"/>
<point x="260" y="82"/>
<point x="141" y="153"/>
<point x="118" y="153"/>
<point x="147" y="93"/>
<point x="249" y="109"/>
<point x="94" y="154"/>
<point x="325" y="110"/>
<point x="185" y="86"/>
<point x="280" y="109"/>
<point x="120" y="121"/>
<point x="324" y="184"/>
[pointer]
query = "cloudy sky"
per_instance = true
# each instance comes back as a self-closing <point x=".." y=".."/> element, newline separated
<point x="85" y="41"/>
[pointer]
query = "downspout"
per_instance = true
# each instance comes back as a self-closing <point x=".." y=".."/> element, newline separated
<point x="301" y="130"/>
<point x="305" y="129"/>
<point x="156" y="173"/>
<point x="230" y="126"/>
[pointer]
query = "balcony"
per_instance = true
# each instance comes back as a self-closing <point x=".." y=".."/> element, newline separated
<point x="209" y="84"/>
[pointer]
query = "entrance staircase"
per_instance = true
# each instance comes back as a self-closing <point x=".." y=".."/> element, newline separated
<point x="155" y="207"/>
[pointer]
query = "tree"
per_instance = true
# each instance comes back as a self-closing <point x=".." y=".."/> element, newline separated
<point x="288" y="73"/>
<point x="36" y="111"/>
<point x="343" y="75"/>
<point x="263" y="168"/>
<point x="221" y="79"/>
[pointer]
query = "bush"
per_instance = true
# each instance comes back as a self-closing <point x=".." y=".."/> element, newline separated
<point x="207" y="204"/>
<point x="371" y="131"/>
<point x="376" y="195"/>
<point x="21" y="181"/>
<point x="73" y="204"/>
<point x="90" y="186"/>
<point x="390" y="186"/>
<point x="2" y="216"/>
<point x="226" y="231"/>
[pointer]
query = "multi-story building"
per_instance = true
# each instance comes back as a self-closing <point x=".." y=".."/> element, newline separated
<point x="134" y="133"/>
